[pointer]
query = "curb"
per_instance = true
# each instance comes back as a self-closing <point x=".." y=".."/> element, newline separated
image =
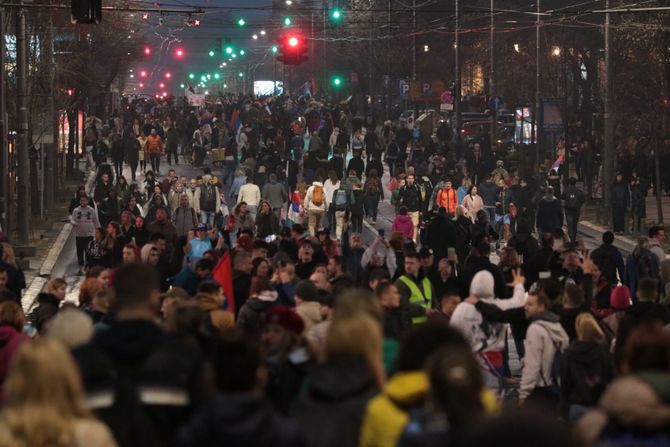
<point x="55" y="250"/>
<point x="623" y="243"/>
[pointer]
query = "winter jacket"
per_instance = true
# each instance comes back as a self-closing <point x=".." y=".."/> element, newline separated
<point x="309" y="205"/>
<point x="549" y="214"/>
<point x="85" y="221"/>
<point x="10" y="342"/>
<point x="193" y="198"/>
<point x="488" y="191"/>
<point x="544" y="335"/>
<point x="410" y="196"/>
<point x="387" y="414"/>
<point x="448" y="199"/>
<point x="310" y="312"/>
<point x="46" y="309"/>
<point x="216" y="319"/>
<point x="162" y="368"/>
<point x="620" y="196"/>
<point x="657" y="249"/>
<point x="610" y="261"/>
<point x="250" y="317"/>
<point x="403" y="223"/>
<point x="184" y="219"/>
<point x="587" y="368"/>
<point x="331" y="410"/>
<point x="472" y="205"/>
<point x="266" y="224"/>
<point x="275" y="193"/>
<point x="239" y="420"/>
<point x="154" y="144"/>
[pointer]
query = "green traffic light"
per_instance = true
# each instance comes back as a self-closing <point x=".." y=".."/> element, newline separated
<point x="211" y="53"/>
<point x="191" y="76"/>
<point x="336" y="14"/>
<point x="337" y="82"/>
<point x="216" y="76"/>
<point x="274" y="49"/>
<point x="181" y="86"/>
<point x="287" y="21"/>
<point x="241" y="22"/>
<point x="241" y="52"/>
<point x="229" y="50"/>
<point x="241" y="75"/>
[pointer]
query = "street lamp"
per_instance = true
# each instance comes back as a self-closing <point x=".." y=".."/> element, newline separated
<point x="556" y="51"/>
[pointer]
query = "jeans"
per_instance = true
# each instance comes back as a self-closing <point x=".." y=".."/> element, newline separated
<point x="81" y="244"/>
<point x="492" y="213"/>
<point x="118" y="168"/>
<point x="170" y="153"/>
<point x="371" y="205"/>
<point x="90" y="164"/>
<point x="133" y="167"/>
<point x="253" y="209"/>
<point x="392" y="166"/>
<point x="356" y="223"/>
<point x="277" y="212"/>
<point x="207" y="217"/>
<point x="571" y="219"/>
<point x="155" y="162"/>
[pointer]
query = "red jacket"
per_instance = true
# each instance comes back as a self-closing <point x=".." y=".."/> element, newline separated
<point x="448" y="199"/>
<point x="403" y="224"/>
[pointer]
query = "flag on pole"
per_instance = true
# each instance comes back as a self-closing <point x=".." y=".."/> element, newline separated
<point x="223" y="274"/>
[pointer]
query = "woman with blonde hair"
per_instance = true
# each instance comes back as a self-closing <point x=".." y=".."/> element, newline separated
<point x="45" y="402"/>
<point x="332" y="409"/>
<point x="587" y="367"/>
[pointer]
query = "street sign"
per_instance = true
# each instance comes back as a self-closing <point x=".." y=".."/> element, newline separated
<point x="446" y="107"/>
<point x="496" y="102"/>
<point x="403" y="87"/>
<point x="354" y="78"/>
<point x="447" y="97"/>
<point x="551" y="115"/>
<point x="426" y="89"/>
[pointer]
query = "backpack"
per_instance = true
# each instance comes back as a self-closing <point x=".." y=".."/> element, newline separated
<point x="555" y="371"/>
<point x="373" y="188"/>
<point x="340" y="200"/>
<point x="317" y="195"/>
<point x="392" y="151"/>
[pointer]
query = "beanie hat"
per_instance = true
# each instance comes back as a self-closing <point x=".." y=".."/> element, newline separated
<point x="286" y="318"/>
<point x="620" y="298"/>
<point x="482" y="285"/>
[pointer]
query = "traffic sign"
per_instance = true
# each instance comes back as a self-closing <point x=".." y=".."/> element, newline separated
<point x="447" y="96"/>
<point x="403" y="87"/>
<point x="496" y="102"/>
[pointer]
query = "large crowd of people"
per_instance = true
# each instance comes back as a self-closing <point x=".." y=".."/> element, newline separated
<point x="261" y="303"/>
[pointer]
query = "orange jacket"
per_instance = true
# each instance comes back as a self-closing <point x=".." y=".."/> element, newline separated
<point x="154" y="144"/>
<point x="448" y="199"/>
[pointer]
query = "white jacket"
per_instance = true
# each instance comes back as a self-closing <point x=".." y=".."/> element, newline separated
<point x="329" y="188"/>
<point x="249" y="193"/>
<point x="469" y="321"/>
<point x="309" y="205"/>
<point x="544" y="335"/>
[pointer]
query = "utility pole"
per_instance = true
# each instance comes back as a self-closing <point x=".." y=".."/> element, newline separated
<point x="324" y="45"/>
<point x="389" y="89"/>
<point x="4" y="161"/>
<point x="457" y="75"/>
<point x="538" y="92"/>
<point x="370" y="52"/>
<point x="413" y="40"/>
<point x="608" y="150"/>
<point x="23" y="170"/>
<point x="494" y="113"/>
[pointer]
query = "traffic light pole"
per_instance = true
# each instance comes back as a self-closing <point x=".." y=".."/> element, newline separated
<point x="23" y="174"/>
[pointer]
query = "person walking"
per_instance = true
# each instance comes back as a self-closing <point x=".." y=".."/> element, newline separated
<point x="316" y="204"/>
<point x="209" y="201"/>
<point x="373" y="194"/>
<point x="409" y="196"/>
<point x="85" y="222"/>
<point x="251" y="195"/>
<point x="275" y="193"/>
<point x="184" y="217"/>
<point x="472" y="203"/>
<point x="573" y="199"/>
<point x="549" y="214"/>
<point x="154" y="148"/>
<point x="172" y="144"/>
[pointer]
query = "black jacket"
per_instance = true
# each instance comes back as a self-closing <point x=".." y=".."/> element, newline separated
<point x="238" y="420"/>
<point x="331" y="412"/>
<point x="549" y="214"/>
<point x="136" y="358"/>
<point x="410" y="196"/>
<point x="586" y="369"/>
<point x="241" y="287"/>
<point x="46" y="309"/>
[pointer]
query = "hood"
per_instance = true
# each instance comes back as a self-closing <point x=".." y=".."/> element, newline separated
<point x="129" y="342"/>
<point x="317" y="184"/>
<point x="407" y="387"/>
<point x="403" y="219"/>
<point x="237" y="419"/>
<point x="268" y="296"/>
<point x="482" y="285"/>
<point x="338" y="379"/>
<point x="550" y="322"/>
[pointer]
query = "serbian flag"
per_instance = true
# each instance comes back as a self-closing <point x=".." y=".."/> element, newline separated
<point x="223" y="274"/>
<point x="234" y="117"/>
<point x="557" y="164"/>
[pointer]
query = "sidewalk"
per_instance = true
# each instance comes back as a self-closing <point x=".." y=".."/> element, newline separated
<point x="48" y="237"/>
<point x="591" y="223"/>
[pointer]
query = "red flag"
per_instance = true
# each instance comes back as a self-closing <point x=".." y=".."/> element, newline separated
<point x="223" y="274"/>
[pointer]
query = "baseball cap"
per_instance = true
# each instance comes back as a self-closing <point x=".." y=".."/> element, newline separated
<point x="425" y="252"/>
<point x="201" y="227"/>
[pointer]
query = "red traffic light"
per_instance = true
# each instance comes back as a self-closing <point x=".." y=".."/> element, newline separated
<point x="293" y="48"/>
<point x="70" y="92"/>
<point x="143" y="74"/>
<point x="147" y="51"/>
<point x="665" y="102"/>
<point x="293" y="41"/>
<point x="179" y="52"/>
<point x="168" y="75"/>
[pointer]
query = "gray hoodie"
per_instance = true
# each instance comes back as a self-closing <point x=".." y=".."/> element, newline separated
<point x="545" y="334"/>
<point x="275" y="193"/>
